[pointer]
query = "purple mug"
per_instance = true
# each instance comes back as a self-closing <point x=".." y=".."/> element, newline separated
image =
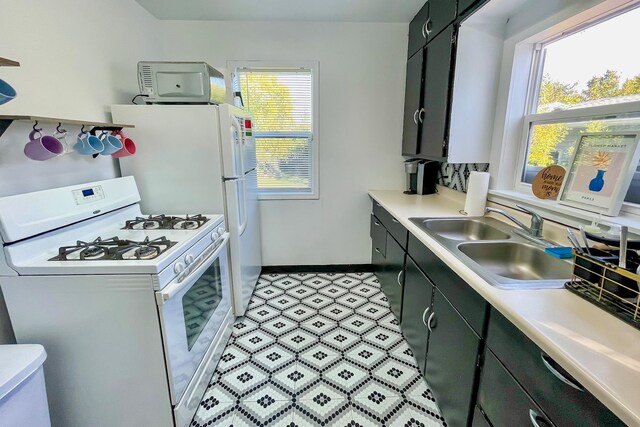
<point x="42" y="147"/>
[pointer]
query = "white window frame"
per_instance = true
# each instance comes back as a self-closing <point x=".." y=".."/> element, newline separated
<point x="509" y="155"/>
<point x="234" y="65"/>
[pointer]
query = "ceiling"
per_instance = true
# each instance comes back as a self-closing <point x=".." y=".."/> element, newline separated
<point x="285" y="10"/>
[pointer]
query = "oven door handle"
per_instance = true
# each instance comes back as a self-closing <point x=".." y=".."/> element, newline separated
<point x="182" y="281"/>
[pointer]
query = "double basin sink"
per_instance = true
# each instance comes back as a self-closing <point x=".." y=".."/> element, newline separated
<point x="497" y="253"/>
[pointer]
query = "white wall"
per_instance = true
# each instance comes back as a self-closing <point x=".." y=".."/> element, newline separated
<point x="77" y="58"/>
<point x="361" y="99"/>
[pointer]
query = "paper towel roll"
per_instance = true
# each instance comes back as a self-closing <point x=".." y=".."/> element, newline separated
<point x="477" y="189"/>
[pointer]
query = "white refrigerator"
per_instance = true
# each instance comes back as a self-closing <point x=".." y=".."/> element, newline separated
<point x="200" y="158"/>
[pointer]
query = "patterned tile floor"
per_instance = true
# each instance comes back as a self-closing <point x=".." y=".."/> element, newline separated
<point x="317" y="350"/>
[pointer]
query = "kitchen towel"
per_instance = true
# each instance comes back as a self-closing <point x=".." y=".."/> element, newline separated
<point x="477" y="189"/>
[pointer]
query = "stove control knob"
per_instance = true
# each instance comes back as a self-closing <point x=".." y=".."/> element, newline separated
<point x="214" y="236"/>
<point x="188" y="259"/>
<point x="178" y="268"/>
<point x="221" y="230"/>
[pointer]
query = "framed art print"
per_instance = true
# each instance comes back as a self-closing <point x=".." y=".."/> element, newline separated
<point x="600" y="172"/>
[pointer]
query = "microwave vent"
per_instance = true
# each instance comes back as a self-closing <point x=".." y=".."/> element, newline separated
<point x="146" y="78"/>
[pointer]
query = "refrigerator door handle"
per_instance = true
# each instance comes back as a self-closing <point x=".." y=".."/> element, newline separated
<point x="245" y="220"/>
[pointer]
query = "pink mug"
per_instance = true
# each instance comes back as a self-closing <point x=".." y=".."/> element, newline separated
<point x="42" y="147"/>
<point x="128" y="146"/>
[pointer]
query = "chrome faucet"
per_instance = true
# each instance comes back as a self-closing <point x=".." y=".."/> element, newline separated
<point x="534" y="230"/>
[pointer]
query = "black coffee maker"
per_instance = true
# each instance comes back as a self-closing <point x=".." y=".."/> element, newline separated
<point x="422" y="176"/>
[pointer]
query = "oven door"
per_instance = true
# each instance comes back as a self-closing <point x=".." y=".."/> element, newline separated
<point x="192" y="309"/>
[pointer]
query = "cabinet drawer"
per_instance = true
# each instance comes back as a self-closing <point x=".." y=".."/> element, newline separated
<point x="392" y="225"/>
<point x="545" y="380"/>
<point x="503" y="400"/>
<point x="378" y="236"/>
<point x="465" y="299"/>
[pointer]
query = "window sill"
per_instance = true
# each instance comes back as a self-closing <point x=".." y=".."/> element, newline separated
<point x="285" y="196"/>
<point x="552" y="210"/>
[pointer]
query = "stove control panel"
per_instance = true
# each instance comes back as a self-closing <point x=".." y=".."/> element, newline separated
<point x="88" y="195"/>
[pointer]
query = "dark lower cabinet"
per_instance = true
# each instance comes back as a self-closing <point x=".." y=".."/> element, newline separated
<point x="479" y="419"/>
<point x="562" y="397"/>
<point x="452" y="362"/>
<point x="504" y="401"/>
<point x="416" y="307"/>
<point x="391" y="276"/>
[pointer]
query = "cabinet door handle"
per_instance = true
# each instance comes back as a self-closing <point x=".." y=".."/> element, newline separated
<point x="424" y="316"/>
<point x="377" y="250"/>
<point x="537" y="420"/>
<point x="431" y="316"/>
<point x="376" y="223"/>
<point x="378" y="205"/>
<point x="548" y="364"/>
<point x="400" y="275"/>
<point x="415" y="116"/>
<point x="395" y="220"/>
<point x="423" y="29"/>
<point x="420" y="117"/>
<point x="427" y="26"/>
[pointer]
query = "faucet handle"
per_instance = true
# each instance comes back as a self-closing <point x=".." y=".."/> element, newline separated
<point x="535" y="217"/>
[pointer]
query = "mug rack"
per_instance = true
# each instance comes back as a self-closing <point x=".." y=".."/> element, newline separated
<point x="4" y="62"/>
<point x="5" y="122"/>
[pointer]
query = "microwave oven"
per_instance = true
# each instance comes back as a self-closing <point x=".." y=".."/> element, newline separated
<point x="181" y="83"/>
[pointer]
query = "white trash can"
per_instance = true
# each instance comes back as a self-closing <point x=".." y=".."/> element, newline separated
<point x="23" y="397"/>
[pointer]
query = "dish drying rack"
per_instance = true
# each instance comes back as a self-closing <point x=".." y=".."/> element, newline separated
<point x="598" y="279"/>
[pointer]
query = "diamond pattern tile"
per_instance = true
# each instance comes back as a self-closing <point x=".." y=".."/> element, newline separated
<point x="317" y="350"/>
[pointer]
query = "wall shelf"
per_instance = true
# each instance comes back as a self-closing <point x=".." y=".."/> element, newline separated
<point x="6" y="120"/>
<point x="4" y="62"/>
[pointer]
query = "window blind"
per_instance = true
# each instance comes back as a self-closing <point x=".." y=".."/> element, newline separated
<point x="280" y="101"/>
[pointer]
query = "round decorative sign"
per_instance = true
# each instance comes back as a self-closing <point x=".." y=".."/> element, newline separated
<point x="547" y="183"/>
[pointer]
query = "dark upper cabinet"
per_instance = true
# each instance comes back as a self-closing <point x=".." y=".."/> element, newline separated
<point x="435" y="94"/>
<point x="466" y="7"/>
<point x="417" y="34"/>
<point x="452" y="357"/>
<point x="432" y="18"/>
<point x="441" y="14"/>
<point x="412" y="104"/>
<point x="415" y="311"/>
<point x="392" y="278"/>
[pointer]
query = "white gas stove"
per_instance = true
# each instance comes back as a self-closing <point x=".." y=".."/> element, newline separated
<point x="133" y="309"/>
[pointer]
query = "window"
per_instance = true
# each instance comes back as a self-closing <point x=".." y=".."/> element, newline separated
<point x="282" y="103"/>
<point x="587" y="80"/>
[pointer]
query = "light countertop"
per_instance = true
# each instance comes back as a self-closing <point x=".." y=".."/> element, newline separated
<point x="597" y="349"/>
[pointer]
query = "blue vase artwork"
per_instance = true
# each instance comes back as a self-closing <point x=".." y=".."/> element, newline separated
<point x="600" y="161"/>
<point x="597" y="183"/>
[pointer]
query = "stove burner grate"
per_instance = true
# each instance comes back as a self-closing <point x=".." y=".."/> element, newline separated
<point x="113" y="249"/>
<point x="166" y="222"/>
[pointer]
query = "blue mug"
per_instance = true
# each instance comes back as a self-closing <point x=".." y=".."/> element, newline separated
<point x="111" y="144"/>
<point x="88" y="144"/>
<point x="7" y="93"/>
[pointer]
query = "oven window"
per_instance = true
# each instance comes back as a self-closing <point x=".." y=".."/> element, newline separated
<point x="199" y="303"/>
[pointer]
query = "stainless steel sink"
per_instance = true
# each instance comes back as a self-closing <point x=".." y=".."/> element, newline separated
<point x="515" y="260"/>
<point x="465" y="229"/>
<point x="497" y="253"/>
